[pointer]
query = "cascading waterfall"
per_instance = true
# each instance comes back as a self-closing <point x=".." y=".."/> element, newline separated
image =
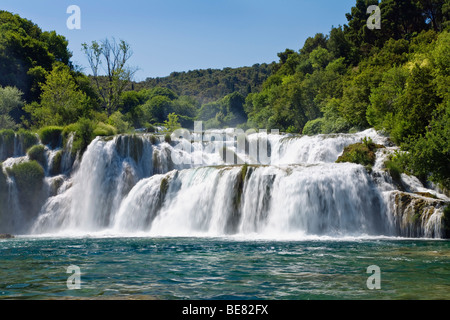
<point x="292" y="187"/>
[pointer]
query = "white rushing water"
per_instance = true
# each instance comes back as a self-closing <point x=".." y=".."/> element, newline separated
<point x="289" y="186"/>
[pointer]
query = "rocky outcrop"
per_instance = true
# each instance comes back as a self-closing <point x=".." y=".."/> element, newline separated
<point x="418" y="215"/>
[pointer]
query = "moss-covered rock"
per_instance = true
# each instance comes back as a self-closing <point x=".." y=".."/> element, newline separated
<point x="55" y="165"/>
<point x="2" y="178"/>
<point x="29" y="180"/>
<point x="229" y="156"/>
<point x="131" y="146"/>
<point x="27" y="175"/>
<point x="418" y="216"/>
<point x="37" y="153"/>
<point x="27" y="139"/>
<point x="168" y="138"/>
<point x="3" y="192"/>
<point x="153" y="139"/>
<point x="446" y="222"/>
<point x="233" y="220"/>
<point x="361" y="153"/>
<point x="164" y="186"/>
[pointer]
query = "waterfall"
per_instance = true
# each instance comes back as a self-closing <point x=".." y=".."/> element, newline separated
<point x="271" y="201"/>
<point x="221" y="183"/>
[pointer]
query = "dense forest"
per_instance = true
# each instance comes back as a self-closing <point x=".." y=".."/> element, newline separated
<point x="213" y="84"/>
<point x="394" y="79"/>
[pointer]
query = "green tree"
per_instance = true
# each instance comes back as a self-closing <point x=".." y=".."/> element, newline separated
<point x="340" y="46"/>
<point x="384" y="100"/>
<point x="172" y="122"/>
<point x="117" y="120"/>
<point x="24" y="47"/>
<point x="158" y="108"/>
<point x="430" y="154"/>
<point x="10" y="100"/>
<point x="113" y="58"/>
<point x="356" y="31"/>
<point x="62" y="102"/>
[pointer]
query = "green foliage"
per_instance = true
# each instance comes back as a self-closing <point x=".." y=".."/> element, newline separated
<point x="172" y="123"/>
<point x="37" y="153"/>
<point x="211" y="85"/>
<point x="117" y="121"/>
<point x="10" y="101"/>
<point x="84" y="134"/>
<point x="62" y="102"/>
<point x="314" y="127"/>
<point x="25" y="47"/>
<point x="113" y="56"/>
<point x="429" y="155"/>
<point x="226" y="112"/>
<point x="394" y="169"/>
<point x="6" y="143"/>
<point x="51" y="136"/>
<point x="320" y="58"/>
<point x="104" y="130"/>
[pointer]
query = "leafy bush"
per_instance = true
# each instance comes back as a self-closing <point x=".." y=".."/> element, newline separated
<point x="313" y="127"/>
<point x="84" y="134"/>
<point x="117" y="121"/>
<point x="104" y="130"/>
<point x="51" y="136"/>
<point x="394" y="170"/>
<point x="172" y="123"/>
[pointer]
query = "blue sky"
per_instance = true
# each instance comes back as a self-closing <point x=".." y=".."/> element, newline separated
<point x="182" y="35"/>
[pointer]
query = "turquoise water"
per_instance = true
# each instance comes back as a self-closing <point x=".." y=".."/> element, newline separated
<point x="222" y="268"/>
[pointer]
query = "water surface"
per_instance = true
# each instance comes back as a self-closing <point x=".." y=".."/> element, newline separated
<point x="223" y="268"/>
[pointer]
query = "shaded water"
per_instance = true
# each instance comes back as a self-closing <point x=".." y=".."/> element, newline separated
<point x="224" y="268"/>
